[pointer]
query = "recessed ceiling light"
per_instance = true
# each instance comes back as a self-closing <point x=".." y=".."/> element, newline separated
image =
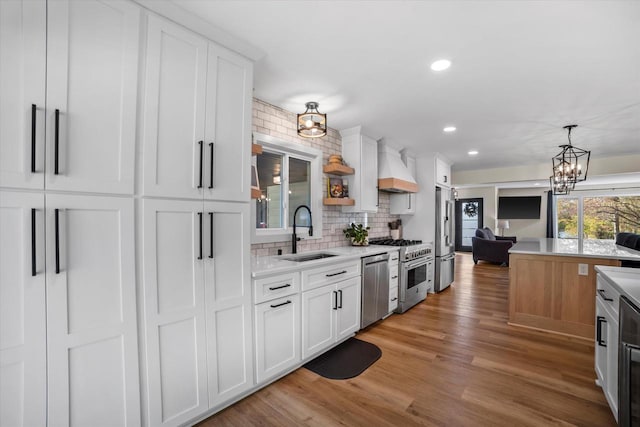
<point x="449" y="129"/>
<point x="440" y="65"/>
<point x="472" y="153"/>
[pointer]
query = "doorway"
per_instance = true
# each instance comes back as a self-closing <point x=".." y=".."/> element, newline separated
<point x="469" y="215"/>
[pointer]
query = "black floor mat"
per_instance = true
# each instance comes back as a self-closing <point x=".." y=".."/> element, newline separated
<point x="347" y="360"/>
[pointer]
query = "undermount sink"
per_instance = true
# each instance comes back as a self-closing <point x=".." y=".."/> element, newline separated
<point x="310" y="257"/>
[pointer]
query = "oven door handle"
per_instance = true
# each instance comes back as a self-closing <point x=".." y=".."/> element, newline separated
<point x="416" y="264"/>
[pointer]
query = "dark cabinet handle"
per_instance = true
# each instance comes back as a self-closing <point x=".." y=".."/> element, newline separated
<point x="340" y="293"/>
<point x="335" y="300"/>
<point x="211" y="172"/>
<point x="200" y="234"/>
<point x="600" y="320"/>
<point x="33" y="242"/>
<point x="604" y="297"/>
<point x="378" y="195"/>
<point x="56" y="142"/>
<point x="409" y="201"/>
<point x="335" y="274"/>
<point x="210" y="234"/>
<point x="394" y="299"/>
<point x="281" y="304"/>
<point x="57" y="231"/>
<point x="394" y="277"/>
<point x="33" y="138"/>
<point x="280" y="287"/>
<point x="201" y="160"/>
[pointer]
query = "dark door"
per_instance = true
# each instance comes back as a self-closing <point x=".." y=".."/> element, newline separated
<point x="468" y="218"/>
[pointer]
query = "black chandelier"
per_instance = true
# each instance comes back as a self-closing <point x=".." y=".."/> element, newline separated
<point x="569" y="166"/>
<point x="312" y="123"/>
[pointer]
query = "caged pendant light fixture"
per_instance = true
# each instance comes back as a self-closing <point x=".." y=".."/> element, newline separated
<point x="569" y="166"/>
<point x="312" y="123"/>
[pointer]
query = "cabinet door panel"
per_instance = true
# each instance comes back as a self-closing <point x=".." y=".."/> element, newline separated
<point x="369" y="175"/>
<point x="348" y="314"/>
<point x="174" y="306"/>
<point x="277" y="336"/>
<point x="174" y="110"/>
<point x="22" y="311"/>
<point x="22" y="83"/>
<point x="228" y="125"/>
<point x="91" y="312"/>
<point x="318" y="320"/>
<point x="92" y="74"/>
<point x="228" y="296"/>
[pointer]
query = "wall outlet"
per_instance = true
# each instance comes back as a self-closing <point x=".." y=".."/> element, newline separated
<point x="583" y="269"/>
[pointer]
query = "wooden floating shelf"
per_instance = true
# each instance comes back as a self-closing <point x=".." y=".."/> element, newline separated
<point x="338" y="169"/>
<point x="255" y="194"/>
<point x="345" y="201"/>
<point x="256" y="149"/>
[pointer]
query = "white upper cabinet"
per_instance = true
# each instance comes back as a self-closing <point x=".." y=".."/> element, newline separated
<point x="174" y="111"/>
<point x="228" y="126"/>
<point x="197" y="110"/>
<point x="361" y="153"/>
<point x="23" y="337"/>
<point x="92" y="346"/>
<point x="92" y="74"/>
<point x="443" y="173"/>
<point x="22" y="93"/>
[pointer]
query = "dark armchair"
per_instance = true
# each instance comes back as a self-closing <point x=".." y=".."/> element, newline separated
<point x="488" y="247"/>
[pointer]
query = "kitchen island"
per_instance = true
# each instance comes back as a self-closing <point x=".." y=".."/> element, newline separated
<point x="552" y="282"/>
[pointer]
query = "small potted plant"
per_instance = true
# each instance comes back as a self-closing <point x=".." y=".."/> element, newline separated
<point x="358" y="234"/>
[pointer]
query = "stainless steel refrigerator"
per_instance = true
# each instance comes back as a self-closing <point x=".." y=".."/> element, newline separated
<point x="445" y="239"/>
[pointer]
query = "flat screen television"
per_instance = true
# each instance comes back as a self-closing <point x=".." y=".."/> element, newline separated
<point x="519" y="207"/>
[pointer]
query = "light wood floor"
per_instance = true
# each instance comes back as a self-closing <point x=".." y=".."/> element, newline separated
<point x="450" y="361"/>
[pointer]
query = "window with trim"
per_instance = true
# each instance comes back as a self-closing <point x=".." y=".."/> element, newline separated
<point x="597" y="215"/>
<point x="288" y="176"/>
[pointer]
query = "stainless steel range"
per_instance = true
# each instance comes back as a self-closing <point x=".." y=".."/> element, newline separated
<point x="416" y="270"/>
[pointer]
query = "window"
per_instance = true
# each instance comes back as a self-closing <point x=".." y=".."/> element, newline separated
<point x="289" y="176"/>
<point x="597" y="216"/>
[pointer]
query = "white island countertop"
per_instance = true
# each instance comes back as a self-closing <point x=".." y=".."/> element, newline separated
<point x="625" y="280"/>
<point x="589" y="248"/>
<point x="269" y="265"/>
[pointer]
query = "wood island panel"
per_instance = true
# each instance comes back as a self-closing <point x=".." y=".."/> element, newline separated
<point x="546" y="292"/>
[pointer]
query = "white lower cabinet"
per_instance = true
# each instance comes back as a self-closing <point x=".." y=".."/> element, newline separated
<point x="197" y="307"/>
<point x="277" y="336"/>
<point x="393" y="280"/>
<point x="329" y="313"/>
<point x="84" y="262"/>
<point x="606" y="346"/>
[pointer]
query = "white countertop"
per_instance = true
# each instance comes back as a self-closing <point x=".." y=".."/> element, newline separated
<point x="269" y="265"/>
<point x="625" y="280"/>
<point x="590" y="248"/>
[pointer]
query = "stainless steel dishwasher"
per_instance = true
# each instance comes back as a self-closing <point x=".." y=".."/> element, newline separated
<point x="375" y="288"/>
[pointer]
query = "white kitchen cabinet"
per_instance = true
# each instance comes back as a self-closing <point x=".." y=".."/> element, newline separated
<point x="606" y="346"/>
<point x="329" y="314"/>
<point x="197" y="297"/>
<point x="361" y="153"/>
<point x="393" y="280"/>
<point x="92" y="95"/>
<point x="197" y="109"/>
<point x="443" y="173"/>
<point x="23" y="339"/>
<point x="91" y="354"/>
<point x="277" y="334"/>
<point x="22" y="93"/>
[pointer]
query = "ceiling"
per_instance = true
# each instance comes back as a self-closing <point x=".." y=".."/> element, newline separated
<point x="520" y="71"/>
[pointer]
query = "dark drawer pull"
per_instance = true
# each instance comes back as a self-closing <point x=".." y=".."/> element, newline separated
<point x="336" y="274"/>
<point x="281" y="304"/>
<point x="280" y="287"/>
<point x="604" y="297"/>
<point x="394" y="299"/>
<point x="394" y="277"/>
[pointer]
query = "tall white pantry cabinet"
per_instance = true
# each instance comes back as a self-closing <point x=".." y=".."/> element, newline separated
<point x="84" y="233"/>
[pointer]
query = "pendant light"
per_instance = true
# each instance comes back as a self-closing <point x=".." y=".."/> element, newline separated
<point x="569" y="166"/>
<point x="312" y="123"/>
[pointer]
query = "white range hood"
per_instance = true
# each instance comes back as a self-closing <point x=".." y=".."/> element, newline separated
<point x="393" y="175"/>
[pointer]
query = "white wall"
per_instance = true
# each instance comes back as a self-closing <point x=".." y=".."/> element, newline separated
<point x="527" y="227"/>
